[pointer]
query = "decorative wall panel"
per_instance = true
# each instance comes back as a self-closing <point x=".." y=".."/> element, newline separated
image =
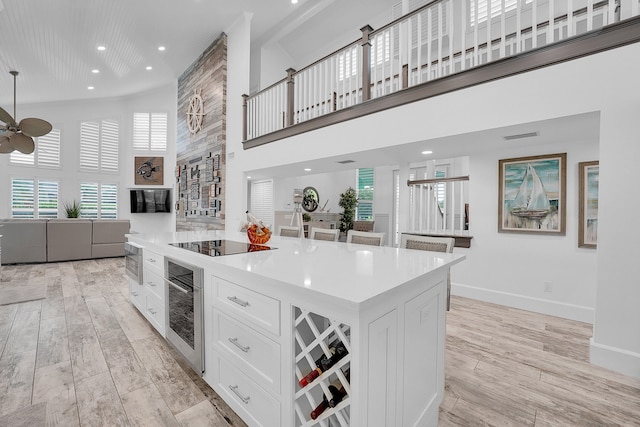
<point x="201" y="141"/>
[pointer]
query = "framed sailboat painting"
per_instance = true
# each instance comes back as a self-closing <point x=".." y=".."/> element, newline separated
<point x="588" y="175"/>
<point x="532" y="194"/>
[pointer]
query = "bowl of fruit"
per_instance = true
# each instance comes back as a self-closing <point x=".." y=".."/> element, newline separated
<point x="258" y="235"/>
<point x="257" y="231"/>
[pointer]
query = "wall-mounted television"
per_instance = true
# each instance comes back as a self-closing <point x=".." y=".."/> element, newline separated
<point x="145" y="200"/>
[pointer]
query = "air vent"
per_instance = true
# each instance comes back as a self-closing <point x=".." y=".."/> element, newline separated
<point x="520" y="136"/>
<point x="346" y="162"/>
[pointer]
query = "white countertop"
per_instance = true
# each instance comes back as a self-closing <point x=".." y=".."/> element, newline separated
<point x="352" y="272"/>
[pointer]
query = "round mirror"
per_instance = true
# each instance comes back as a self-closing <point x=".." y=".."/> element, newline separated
<point x="310" y="199"/>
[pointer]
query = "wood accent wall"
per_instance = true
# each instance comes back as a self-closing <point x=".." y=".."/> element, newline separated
<point x="200" y="187"/>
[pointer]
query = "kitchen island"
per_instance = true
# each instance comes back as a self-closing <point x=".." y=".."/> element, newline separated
<point x="372" y="319"/>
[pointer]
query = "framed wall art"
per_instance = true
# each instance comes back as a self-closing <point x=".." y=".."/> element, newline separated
<point x="149" y="170"/>
<point x="532" y="194"/>
<point x="588" y="178"/>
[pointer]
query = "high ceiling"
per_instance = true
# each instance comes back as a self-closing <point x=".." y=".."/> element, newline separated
<point x="53" y="43"/>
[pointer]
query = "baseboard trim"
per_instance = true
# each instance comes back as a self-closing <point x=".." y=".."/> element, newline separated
<point x="616" y="359"/>
<point x="538" y="305"/>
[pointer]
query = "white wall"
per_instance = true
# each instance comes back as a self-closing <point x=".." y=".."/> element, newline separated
<point x="238" y="80"/>
<point x="510" y="267"/>
<point x="67" y="116"/>
<point x="513" y="268"/>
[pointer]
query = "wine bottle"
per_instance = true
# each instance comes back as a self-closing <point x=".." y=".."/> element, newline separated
<point x="339" y="393"/>
<point x="324" y="404"/>
<point x="338" y="351"/>
<point x="321" y="361"/>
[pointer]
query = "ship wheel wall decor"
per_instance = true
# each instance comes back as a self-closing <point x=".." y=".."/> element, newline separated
<point x="195" y="113"/>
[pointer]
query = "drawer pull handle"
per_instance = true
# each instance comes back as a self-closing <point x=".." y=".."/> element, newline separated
<point x="238" y="301"/>
<point x="135" y="294"/>
<point x="151" y="260"/>
<point x="152" y="284"/>
<point x="235" y="342"/>
<point x="152" y="311"/>
<point x="234" y="388"/>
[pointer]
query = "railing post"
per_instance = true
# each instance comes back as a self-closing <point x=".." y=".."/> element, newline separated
<point x="244" y="116"/>
<point x="366" y="62"/>
<point x="290" y="97"/>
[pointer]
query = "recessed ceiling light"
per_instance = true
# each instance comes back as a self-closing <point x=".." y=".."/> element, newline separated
<point x="101" y="48"/>
<point x="149" y="67"/>
<point x="95" y="71"/>
<point x="248" y="177"/>
<point x="294" y="1"/>
<point x="427" y="152"/>
<point x="161" y="48"/>
<point x="307" y="170"/>
<point x="90" y="87"/>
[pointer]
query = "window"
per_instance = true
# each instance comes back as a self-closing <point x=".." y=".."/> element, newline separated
<point x="32" y="198"/>
<point x="47" y="152"/>
<point x="99" y="146"/>
<point x="496" y="9"/>
<point x="98" y="200"/>
<point x="347" y="64"/>
<point x="440" y="188"/>
<point x="364" y="211"/>
<point x="150" y="131"/>
<point x="381" y="48"/>
<point x="262" y="200"/>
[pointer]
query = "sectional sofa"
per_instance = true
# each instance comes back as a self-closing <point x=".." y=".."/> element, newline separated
<point x="38" y="240"/>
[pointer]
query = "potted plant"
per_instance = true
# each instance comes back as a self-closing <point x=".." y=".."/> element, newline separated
<point x="72" y="210"/>
<point x="306" y="217"/>
<point x="348" y="202"/>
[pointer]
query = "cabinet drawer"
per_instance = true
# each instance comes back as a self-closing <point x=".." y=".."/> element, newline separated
<point x="248" y="399"/>
<point x="153" y="283"/>
<point x="259" y="355"/>
<point x="154" y="311"/>
<point x="138" y="295"/>
<point x="259" y="309"/>
<point x="153" y="260"/>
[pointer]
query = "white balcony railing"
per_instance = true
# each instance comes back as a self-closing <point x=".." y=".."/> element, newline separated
<point x="439" y="206"/>
<point x="434" y="41"/>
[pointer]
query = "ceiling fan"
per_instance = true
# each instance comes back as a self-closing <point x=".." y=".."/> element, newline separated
<point x="19" y="135"/>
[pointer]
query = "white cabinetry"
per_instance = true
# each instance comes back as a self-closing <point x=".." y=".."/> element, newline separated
<point x="149" y="296"/>
<point x="270" y="315"/>
<point x="242" y="350"/>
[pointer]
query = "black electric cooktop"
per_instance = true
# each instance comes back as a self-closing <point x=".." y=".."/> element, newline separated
<point x="221" y="247"/>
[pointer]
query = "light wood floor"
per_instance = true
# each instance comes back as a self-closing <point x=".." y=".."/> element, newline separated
<point x="85" y="356"/>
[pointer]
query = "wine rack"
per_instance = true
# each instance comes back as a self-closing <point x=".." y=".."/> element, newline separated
<point x="313" y="334"/>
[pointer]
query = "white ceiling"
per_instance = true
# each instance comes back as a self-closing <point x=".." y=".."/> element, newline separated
<point x="53" y="43"/>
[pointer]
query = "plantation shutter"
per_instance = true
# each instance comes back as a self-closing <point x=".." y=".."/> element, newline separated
<point x="158" y="139"/>
<point x="364" y="211"/>
<point x="48" y="147"/>
<point x="22" y="198"/>
<point x="89" y="145"/>
<point x="89" y="200"/>
<point x="150" y="131"/>
<point x="47" y="199"/>
<point x="141" y="131"/>
<point x="109" y="139"/>
<point x="109" y="201"/>
<point x="262" y="200"/>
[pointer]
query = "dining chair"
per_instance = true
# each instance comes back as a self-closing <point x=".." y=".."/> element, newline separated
<point x="365" y="238"/>
<point x="433" y="244"/>
<point x="363" y="225"/>
<point x="329" y="234"/>
<point x="289" y="231"/>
